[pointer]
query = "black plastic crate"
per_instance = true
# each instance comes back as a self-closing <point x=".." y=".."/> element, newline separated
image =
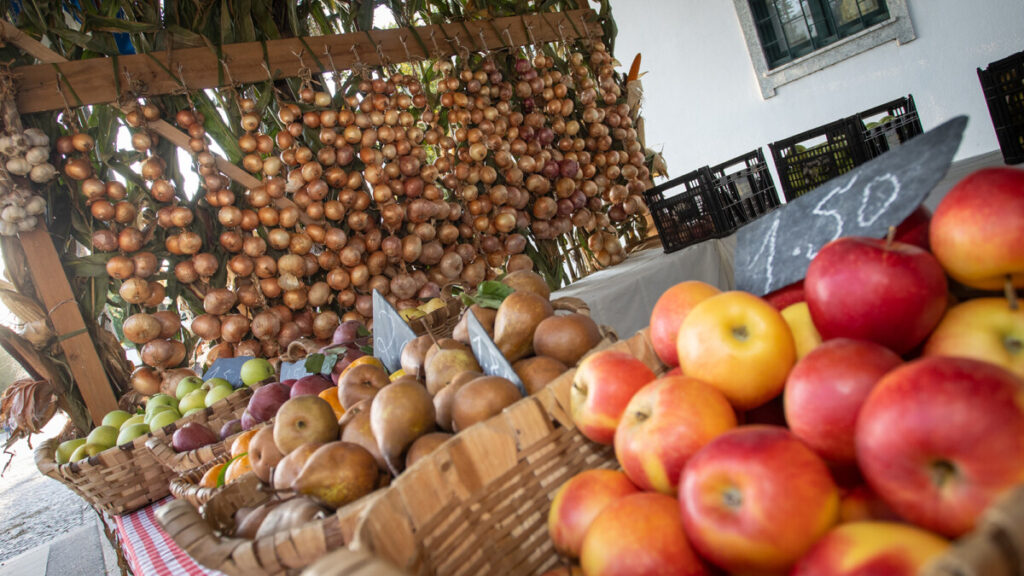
<point x="886" y="126"/>
<point x="1002" y="82"/>
<point x="683" y="210"/>
<point x="744" y="190"/>
<point x="811" y="158"/>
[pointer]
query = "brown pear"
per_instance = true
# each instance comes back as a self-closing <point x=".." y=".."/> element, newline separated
<point x="424" y="445"/>
<point x="482" y="398"/>
<point x="446" y="363"/>
<point x="357" y="431"/>
<point x="287" y="470"/>
<point x="413" y="354"/>
<point x="443" y="399"/>
<point x="566" y="338"/>
<point x="527" y="281"/>
<point x="361" y="382"/>
<point x="445" y="344"/>
<point x="338" y="473"/>
<point x="515" y="322"/>
<point x="484" y="315"/>
<point x="537" y="372"/>
<point x="303" y="419"/>
<point x="401" y="413"/>
<point x="263" y="453"/>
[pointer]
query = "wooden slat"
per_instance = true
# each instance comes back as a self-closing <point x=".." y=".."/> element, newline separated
<point x="93" y="80"/>
<point x="79" y="350"/>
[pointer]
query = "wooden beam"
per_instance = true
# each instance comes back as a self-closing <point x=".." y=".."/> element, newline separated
<point x="55" y="292"/>
<point x="94" y="82"/>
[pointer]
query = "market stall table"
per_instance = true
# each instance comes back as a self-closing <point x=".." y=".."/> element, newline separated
<point x="149" y="550"/>
<point x="624" y="295"/>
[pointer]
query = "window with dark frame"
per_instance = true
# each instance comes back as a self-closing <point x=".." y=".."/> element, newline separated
<point x="790" y="29"/>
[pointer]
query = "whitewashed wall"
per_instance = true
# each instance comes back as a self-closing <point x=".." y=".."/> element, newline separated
<point x="703" y="105"/>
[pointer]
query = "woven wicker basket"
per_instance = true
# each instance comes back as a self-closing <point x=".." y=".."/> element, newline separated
<point x="479" y="503"/>
<point x="281" y="553"/>
<point x="442" y="321"/>
<point x="186" y="486"/>
<point x="994" y="548"/>
<point x="123" y="479"/>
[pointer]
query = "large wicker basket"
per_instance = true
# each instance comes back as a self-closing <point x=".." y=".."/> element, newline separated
<point x="186" y="486"/>
<point x="123" y="479"/>
<point x="440" y="322"/>
<point x="479" y="503"/>
<point x="994" y="548"/>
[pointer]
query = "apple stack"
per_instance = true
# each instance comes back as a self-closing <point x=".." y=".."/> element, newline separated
<point x="857" y="430"/>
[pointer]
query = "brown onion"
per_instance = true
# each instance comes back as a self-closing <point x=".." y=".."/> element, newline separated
<point x="206" y="326"/>
<point x="146" y="381"/>
<point x="265" y="324"/>
<point x="219" y="301"/>
<point x="163" y="353"/>
<point x="233" y="328"/>
<point x="325" y="323"/>
<point x="134" y="290"/>
<point x="170" y="322"/>
<point x="141" y="328"/>
<point x="249" y="348"/>
<point x="120" y="267"/>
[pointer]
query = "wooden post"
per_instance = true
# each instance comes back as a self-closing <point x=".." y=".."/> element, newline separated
<point x="55" y="292"/>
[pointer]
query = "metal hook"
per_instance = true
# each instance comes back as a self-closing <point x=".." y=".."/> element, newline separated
<point x="508" y="36"/>
<point x="359" y="62"/>
<point x="408" y="56"/>
<point x="459" y="47"/>
<point x="529" y="32"/>
<point x="561" y="33"/>
<point x="334" y="69"/>
<point x="433" y="40"/>
<point x="483" y="42"/>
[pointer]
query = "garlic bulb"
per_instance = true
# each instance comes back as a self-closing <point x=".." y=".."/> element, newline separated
<point x="36" y="137"/>
<point x="8" y="229"/>
<point x="37" y="155"/>
<point x="12" y="214"/>
<point x="27" y="224"/>
<point x="42" y="173"/>
<point x="35" y="205"/>
<point x="18" y="166"/>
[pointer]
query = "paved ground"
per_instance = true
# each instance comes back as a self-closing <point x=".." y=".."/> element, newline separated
<point x="45" y="528"/>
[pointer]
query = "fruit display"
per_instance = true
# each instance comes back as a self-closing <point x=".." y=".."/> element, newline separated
<point x="854" y="422"/>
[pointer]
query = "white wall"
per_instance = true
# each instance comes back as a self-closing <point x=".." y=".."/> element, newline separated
<point x="703" y="105"/>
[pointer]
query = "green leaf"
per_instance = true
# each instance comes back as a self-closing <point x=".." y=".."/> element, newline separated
<point x="490" y="294"/>
<point x="314" y="362"/>
<point x="329" y="361"/>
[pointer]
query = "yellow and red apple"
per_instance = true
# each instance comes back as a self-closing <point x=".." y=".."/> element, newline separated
<point x="866" y="548"/>
<point x="669" y="312"/>
<point x="739" y="344"/>
<point x="579" y="501"/>
<point x="940" y="438"/>
<point x="603" y="385"/>
<point x="976" y="230"/>
<point x="639" y="535"/>
<point x="985" y="329"/>
<point x="665" y="423"/>
<point x="825" y="390"/>
<point x="755" y="499"/>
<point x="869" y="289"/>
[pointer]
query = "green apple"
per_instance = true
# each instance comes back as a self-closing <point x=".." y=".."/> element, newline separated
<point x="132" y="432"/>
<point x="257" y="370"/>
<point x="164" y="418"/>
<point x="194" y="399"/>
<point x="86" y="450"/>
<point x="102" y="436"/>
<point x="157" y="400"/>
<point x="218" y="392"/>
<point x="186" y="385"/>
<point x="136" y="419"/>
<point x="150" y="414"/>
<point x="67" y="448"/>
<point x="213" y="382"/>
<point x="192" y="411"/>
<point x="115" y="418"/>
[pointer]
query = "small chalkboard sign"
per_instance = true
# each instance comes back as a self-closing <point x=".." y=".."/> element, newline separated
<point x="294" y="370"/>
<point x="229" y="369"/>
<point x="390" y="333"/>
<point x="775" y="250"/>
<point x="491" y="360"/>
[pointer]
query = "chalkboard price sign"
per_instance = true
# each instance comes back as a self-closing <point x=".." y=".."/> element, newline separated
<point x="491" y="360"/>
<point x="390" y="333"/>
<point x="229" y="369"/>
<point x="775" y="250"/>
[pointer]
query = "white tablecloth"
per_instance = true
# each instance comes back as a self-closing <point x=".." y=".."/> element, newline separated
<point x="624" y="295"/>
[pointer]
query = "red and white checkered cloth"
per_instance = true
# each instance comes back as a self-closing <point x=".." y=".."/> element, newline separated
<point x="150" y="551"/>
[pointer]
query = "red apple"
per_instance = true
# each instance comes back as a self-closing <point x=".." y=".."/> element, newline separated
<point x="579" y="501"/>
<point x="870" y="289"/>
<point x="786" y="296"/>
<point x="665" y="423"/>
<point x="914" y="228"/>
<point x="861" y="503"/>
<point x="669" y="312"/>
<point x="603" y="384"/>
<point x="984" y="329"/>
<point x="739" y="344"/>
<point x="976" y="230"/>
<point x="940" y="438"/>
<point x="825" y="390"/>
<point x="311" y="385"/>
<point x="639" y="535"/>
<point x="866" y="548"/>
<point x="755" y="499"/>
